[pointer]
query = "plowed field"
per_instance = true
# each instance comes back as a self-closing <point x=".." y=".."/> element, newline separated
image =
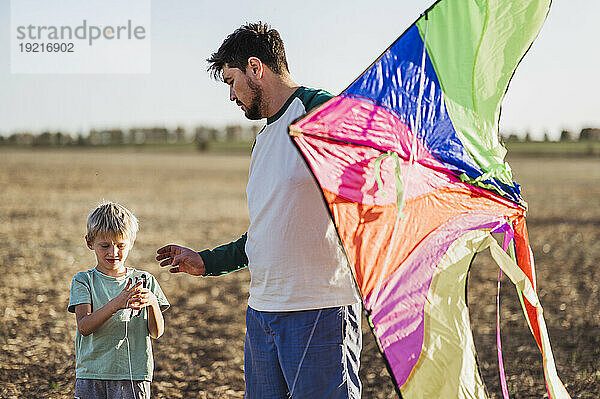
<point x="198" y="200"/>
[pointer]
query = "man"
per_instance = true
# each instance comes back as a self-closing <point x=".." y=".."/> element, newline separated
<point x="303" y="336"/>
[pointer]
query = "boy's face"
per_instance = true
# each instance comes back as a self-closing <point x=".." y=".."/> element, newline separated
<point x="110" y="251"/>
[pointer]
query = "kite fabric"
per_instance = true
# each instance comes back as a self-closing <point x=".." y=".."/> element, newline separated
<point x="412" y="171"/>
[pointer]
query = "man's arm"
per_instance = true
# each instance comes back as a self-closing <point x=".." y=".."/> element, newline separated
<point x="226" y="258"/>
<point x="221" y="260"/>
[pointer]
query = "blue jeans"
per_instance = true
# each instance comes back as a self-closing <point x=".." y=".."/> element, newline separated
<point x="303" y="354"/>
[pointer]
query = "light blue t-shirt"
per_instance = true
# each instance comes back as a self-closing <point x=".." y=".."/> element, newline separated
<point x="103" y="354"/>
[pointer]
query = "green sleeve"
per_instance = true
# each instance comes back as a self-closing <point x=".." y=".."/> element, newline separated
<point x="314" y="98"/>
<point x="226" y="258"/>
<point x="80" y="292"/>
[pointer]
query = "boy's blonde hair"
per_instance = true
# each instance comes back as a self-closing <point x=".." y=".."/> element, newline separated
<point x="111" y="219"/>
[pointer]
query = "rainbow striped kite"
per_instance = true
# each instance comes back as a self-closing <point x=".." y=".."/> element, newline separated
<point x="413" y="174"/>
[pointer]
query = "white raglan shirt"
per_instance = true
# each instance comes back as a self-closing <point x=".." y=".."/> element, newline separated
<point x="295" y="259"/>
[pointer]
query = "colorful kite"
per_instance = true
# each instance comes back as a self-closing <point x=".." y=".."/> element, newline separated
<point x="412" y="171"/>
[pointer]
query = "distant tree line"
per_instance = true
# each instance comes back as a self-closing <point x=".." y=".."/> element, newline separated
<point x="201" y="136"/>
<point x="587" y="134"/>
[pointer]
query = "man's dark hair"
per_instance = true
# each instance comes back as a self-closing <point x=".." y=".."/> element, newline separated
<point x="251" y="40"/>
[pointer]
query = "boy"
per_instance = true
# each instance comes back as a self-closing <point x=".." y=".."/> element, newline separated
<point x="118" y="309"/>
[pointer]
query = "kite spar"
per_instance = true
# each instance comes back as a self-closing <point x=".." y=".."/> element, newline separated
<point x="413" y="174"/>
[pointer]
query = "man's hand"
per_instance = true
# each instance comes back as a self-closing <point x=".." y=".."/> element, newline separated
<point x="181" y="259"/>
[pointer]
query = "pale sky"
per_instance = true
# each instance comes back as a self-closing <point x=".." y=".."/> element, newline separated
<point x="328" y="44"/>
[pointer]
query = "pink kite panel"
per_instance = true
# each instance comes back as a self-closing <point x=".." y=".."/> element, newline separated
<point x="364" y="123"/>
<point x="349" y="171"/>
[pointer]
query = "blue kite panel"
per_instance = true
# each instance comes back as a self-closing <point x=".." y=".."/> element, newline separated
<point x="393" y="82"/>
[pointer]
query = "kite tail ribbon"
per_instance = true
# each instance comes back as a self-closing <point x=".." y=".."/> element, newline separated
<point x="508" y="238"/>
<point x="499" y="344"/>
<point x="522" y="278"/>
<point x="397" y="173"/>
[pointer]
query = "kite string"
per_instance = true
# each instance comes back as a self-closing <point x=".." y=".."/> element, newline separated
<point x="305" y="350"/>
<point x="126" y="338"/>
<point x="499" y="344"/>
<point x="127" y="314"/>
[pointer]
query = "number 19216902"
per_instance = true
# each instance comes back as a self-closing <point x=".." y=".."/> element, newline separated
<point x="47" y="47"/>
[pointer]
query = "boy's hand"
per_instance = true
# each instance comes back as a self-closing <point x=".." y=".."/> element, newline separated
<point x="143" y="298"/>
<point x="181" y="259"/>
<point x="123" y="300"/>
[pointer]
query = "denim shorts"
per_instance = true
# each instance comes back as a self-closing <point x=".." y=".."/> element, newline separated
<point x="111" y="389"/>
<point x="303" y="354"/>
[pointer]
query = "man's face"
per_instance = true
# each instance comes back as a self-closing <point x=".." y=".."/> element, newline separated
<point x="247" y="94"/>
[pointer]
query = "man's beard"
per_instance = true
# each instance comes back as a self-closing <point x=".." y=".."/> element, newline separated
<point x="253" y="109"/>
